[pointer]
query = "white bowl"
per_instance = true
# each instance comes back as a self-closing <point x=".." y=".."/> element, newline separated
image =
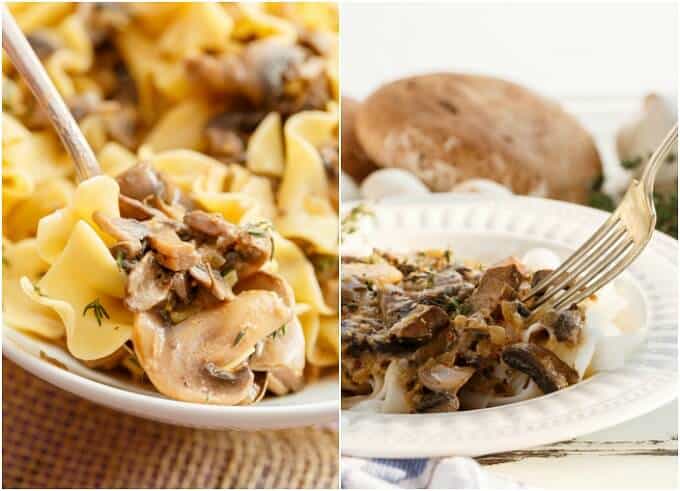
<point x="317" y="403"/>
<point x="490" y="230"/>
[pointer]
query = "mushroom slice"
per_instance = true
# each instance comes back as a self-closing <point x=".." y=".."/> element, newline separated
<point x="283" y="353"/>
<point x="542" y="365"/>
<point x="565" y="325"/>
<point x="204" y="358"/>
<point x="444" y="382"/>
<point x="211" y="224"/>
<point x="148" y="284"/>
<point x="127" y="231"/>
<point x="441" y="378"/>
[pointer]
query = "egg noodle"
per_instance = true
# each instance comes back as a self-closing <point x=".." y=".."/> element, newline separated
<point x="234" y="104"/>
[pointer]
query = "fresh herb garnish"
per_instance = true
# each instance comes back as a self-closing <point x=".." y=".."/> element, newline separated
<point x="5" y="261"/>
<point x="465" y="309"/>
<point x="631" y="164"/>
<point x="350" y="223"/>
<point x="667" y="213"/>
<point x="453" y="305"/>
<point x="262" y="228"/>
<point x="120" y="257"/>
<point x="98" y="309"/>
<point x="601" y="201"/>
<point x="36" y="288"/>
<point x="447" y="255"/>
<point x="281" y="331"/>
<point x="239" y="337"/>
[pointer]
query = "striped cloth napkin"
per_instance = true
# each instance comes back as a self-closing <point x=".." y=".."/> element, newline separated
<point x="440" y="473"/>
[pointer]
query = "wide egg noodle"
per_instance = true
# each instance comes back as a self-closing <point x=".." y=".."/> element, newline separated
<point x="265" y="147"/>
<point x="303" y="194"/>
<point x="92" y="275"/>
<point x="99" y="193"/>
<point x="21" y="259"/>
<point x="298" y="271"/>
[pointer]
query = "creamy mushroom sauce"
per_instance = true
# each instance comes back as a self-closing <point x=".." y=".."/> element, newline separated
<point x="448" y="333"/>
<point x="207" y="318"/>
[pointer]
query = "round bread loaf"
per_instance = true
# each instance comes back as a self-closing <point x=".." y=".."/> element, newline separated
<point x="355" y="162"/>
<point x="447" y="128"/>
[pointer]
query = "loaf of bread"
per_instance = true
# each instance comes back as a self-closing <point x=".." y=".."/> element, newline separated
<point x="446" y="128"/>
<point x="355" y="162"/>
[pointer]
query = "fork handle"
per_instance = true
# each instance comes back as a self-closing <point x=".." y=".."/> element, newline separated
<point x="27" y="64"/>
<point x="657" y="158"/>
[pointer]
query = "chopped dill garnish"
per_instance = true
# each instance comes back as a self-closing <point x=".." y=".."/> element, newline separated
<point x="280" y="332"/>
<point x="631" y="164"/>
<point x="37" y="290"/>
<point x="350" y="222"/>
<point x="120" y="257"/>
<point x="98" y="309"/>
<point x="239" y="337"/>
<point x="262" y="228"/>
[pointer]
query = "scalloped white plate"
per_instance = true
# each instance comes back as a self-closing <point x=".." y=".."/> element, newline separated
<point x="488" y="230"/>
<point x="315" y="404"/>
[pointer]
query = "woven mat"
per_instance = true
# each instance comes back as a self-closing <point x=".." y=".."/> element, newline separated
<point x="53" y="439"/>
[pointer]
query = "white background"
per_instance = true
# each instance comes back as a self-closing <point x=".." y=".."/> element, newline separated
<point x="560" y="49"/>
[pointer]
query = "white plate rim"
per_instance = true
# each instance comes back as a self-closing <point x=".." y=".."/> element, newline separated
<point x="359" y="440"/>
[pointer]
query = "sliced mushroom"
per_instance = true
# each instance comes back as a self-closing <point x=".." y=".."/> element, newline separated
<point x="148" y="284"/>
<point x="133" y="208"/>
<point x="282" y="355"/>
<point x="441" y="378"/>
<point x="128" y="232"/>
<point x="421" y="322"/>
<point x="140" y="182"/>
<point x="497" y="283"/>
<point x="212" y="225"/>
<point x="173" y="252"/>
<point x="543" y="366"/>
<point x="565" y="325"/>
<point x="250" y="252"/>
<point x="204" y="358"/>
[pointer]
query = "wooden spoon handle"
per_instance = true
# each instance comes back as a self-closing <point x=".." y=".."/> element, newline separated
<point x="27" y="64"/>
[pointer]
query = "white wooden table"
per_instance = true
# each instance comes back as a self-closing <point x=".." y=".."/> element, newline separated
<point x="639" y="454"/>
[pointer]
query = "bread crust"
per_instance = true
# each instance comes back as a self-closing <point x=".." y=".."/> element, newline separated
<point x="447" y="128"/>
<point x="355" y="162"/>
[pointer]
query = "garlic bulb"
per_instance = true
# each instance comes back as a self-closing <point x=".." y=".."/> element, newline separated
<point x="637" y="139"/>
<point x="391" y="182"/>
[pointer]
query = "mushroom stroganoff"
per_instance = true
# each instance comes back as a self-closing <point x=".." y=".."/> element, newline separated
<point x="205" y="259"/>
<point x="422" y="333"/>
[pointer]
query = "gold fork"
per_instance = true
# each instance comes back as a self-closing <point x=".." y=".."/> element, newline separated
<point x="612" y="247"/>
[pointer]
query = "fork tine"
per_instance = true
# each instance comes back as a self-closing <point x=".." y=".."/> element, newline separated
<point x="579" y="295"/>
<point x="593" y="271"/>
<point x="577" y="256"/>
<point x="582" y="266"/>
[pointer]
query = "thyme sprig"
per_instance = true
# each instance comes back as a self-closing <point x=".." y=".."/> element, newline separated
<point x="98" y="310"/>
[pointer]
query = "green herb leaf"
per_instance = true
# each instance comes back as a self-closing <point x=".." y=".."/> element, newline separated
<point x="37" y="290"/>
<point x="281" y="331"/>
<point x="631" y="164"/>
<point x="350" y="223"/>
<point x="120" y="257"/>
<point x="98" y="309"/>
<point x="239" y="337"/>
<point x="602" y="201"/>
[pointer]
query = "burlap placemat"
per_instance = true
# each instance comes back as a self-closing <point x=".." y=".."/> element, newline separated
<point x="53" y="439"/>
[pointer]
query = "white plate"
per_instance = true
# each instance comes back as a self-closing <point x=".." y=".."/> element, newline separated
<point x="317" y="403"/>
<point x="490" y="230"/>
